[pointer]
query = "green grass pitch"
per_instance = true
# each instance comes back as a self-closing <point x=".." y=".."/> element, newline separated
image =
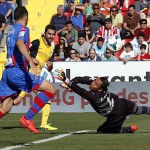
<point x="11" y="133"/>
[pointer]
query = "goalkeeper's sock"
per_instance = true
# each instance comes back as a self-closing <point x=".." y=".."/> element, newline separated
<point x="39" y="102"/>
<point x="45" y="114"/>
<point x="130" y="129"/>
<point x="142" y="110"/>
<point x="1" y="114"/>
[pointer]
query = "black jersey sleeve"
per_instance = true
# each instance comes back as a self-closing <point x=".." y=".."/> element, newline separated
<point x="34" y="48"/>
<point x="83" y="80"/>
<point x="88" y="95"/>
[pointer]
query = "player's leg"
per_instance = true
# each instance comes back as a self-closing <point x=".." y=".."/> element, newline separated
<point x="45" y="115"/>
<point x="46" y="92"/>
<point x="114" y="125"/>
<point x="6" y="106"/>
<point x="114" y="121"/>
<point x="47" y="108"/>
<point x="142" y="110"/>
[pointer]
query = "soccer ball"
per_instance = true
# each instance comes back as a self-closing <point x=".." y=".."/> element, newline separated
<point x="114" y="43"/>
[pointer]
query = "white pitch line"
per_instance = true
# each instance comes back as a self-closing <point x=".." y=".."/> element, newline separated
<point x="44" y="140"/>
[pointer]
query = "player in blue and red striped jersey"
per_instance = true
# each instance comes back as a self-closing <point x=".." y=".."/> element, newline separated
<point x="16" y="78"/>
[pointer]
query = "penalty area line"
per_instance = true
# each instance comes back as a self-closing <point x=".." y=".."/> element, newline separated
<point x="45" y="140"/>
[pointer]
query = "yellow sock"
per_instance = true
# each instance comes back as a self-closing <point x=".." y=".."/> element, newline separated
<point x="45" y="114"/>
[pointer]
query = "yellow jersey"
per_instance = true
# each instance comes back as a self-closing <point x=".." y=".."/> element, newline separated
<point x="43" y="54"/>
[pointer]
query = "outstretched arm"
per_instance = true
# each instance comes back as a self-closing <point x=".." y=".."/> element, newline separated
<point x="83" y="80"/>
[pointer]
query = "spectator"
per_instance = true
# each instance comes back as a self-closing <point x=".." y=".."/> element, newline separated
<point x="61" y="49"/>
<point x="19" y="2"/>
<point x="70" y="33"/>
<point x="141" y="4"/>
<point x="100" y="47"/>
<point x="107" y="30"/>
<point x="14" y="6"/>
<point x="130" y="23"/>
<point x="59" y="20"/>
<point x="92" y="56"/>
<point x="2" y="27"/>
<point x="145" y="29"/>
<point x="109" y="56"/>
<point x="89" y="35"/>
<point x="88" y="9"/>
<point x="69" y="10"/>
<point x="127" y="54"/>
<point x="117" y="19"/>
<point x="5" y="9"/>
<point x="73" y="56"/>
<point x="137" y="42"/>
<point x="82" y="47"/>
<point x="105" y="6"/>
<point x="78" y="19"/>
<point x="143" y="55"/>
<point x="74" y="1"/>
<point x="121" y="4"/>
<point x="97" y="19"/>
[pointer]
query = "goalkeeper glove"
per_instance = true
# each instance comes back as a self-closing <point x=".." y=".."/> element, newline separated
<point x="60" y="75"/>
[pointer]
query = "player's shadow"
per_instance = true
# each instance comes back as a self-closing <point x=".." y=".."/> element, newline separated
<point x="12" y="127"/>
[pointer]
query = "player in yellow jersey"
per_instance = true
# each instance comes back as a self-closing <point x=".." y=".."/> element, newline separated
<point x="41" y="52"/>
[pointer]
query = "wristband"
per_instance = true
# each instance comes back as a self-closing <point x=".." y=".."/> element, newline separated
<point x="67" y="81"/>
<point x="22" y="94"/>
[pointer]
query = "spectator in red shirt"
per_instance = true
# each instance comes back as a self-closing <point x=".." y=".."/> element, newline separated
<point x="143" y="55"/>
<point x="107" y="30"/>
<point x="145" y="29"/>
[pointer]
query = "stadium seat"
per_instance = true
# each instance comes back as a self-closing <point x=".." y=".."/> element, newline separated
<point x="126" y="4"/>
<point x="40" y="13"/>
<point x="126" y="41"/>
<point x="117" y="54"/>
<point x="124" y="13"/>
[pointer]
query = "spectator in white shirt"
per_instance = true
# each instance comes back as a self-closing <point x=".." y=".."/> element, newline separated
<point x="127" y="54"/>
<point x="137" y="42"/>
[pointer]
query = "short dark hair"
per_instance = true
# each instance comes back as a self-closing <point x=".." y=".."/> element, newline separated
<point x="143" y="46"/>
<point x="114" y="7"/>
<point x="128" y="45"/>
<point x="105" y="83"/>
<point x="69" y="22"/>
<point x="131" y="6"/>
<point x="143" y="20"/>
<point x="101" y="39"/>
<point x="95" y="4"/>
<point x="50" y="26"/>
<point x="81" y="35"/>
<point x="20" y="12"/>
<point x="141" y="34"/>
<point x="108" y="20"/>
<point x="85" y="1"/>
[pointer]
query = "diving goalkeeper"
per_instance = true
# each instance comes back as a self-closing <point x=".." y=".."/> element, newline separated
<point x="105" y="103"/>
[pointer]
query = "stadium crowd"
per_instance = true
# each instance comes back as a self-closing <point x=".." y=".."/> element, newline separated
<point x="86" y="25"/>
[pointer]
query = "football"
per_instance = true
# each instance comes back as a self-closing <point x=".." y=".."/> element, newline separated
<point x="114" y="43"/>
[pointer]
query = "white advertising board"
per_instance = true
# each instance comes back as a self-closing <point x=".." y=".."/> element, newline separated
<point x="115" y="71"/>
<point x="65" y="101"/>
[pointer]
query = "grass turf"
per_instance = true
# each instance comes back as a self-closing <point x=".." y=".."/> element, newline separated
<point x="11" y="133"/>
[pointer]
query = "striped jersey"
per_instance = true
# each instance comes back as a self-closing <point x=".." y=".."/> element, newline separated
<point x="102" y="102"/>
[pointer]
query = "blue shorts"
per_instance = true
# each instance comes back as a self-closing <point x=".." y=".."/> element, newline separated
<point x="15" y="80"/>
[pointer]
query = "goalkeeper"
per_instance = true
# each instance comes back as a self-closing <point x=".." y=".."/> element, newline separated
<point x="105" y="103"/>
<point x="42" y="51"/>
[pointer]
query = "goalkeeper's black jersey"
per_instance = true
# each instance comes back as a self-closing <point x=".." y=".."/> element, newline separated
<point x="102" y="102"/>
